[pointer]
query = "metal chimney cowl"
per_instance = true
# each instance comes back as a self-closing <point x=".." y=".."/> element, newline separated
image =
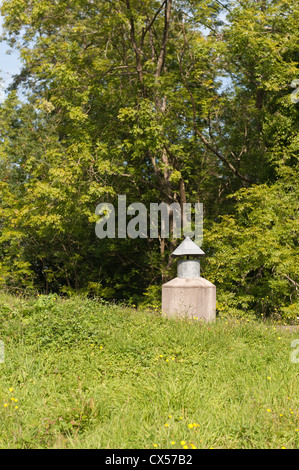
<point x="189" y="295"/>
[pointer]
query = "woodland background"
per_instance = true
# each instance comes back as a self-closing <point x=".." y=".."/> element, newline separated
<point x="173" y="101"/>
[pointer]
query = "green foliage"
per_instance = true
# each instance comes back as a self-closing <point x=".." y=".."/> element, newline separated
<point x="255" y="252"/>
<point x="126" y="98"/>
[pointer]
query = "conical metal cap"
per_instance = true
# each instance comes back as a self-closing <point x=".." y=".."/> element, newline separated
<point x="188" y="248"/>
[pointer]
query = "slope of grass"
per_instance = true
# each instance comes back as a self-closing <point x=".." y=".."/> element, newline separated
<point x="84" y="374"/>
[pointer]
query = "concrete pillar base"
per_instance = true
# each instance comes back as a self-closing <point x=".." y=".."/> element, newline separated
<point x="189" y="298"/>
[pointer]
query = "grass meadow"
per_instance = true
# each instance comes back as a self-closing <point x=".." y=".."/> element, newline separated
<point x="80" y="373"/>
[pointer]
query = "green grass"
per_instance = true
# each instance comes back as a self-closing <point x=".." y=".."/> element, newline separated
<point x="92" y="375"/>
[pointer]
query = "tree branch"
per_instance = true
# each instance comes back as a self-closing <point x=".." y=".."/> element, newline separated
<point x="134" y="44"/>
<point x="205" y="141"/>
<point x="161" y="58"/>
<point x="145" y="30"/>
<point x="291" y="280"/>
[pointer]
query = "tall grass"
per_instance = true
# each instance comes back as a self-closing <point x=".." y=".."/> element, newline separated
<point x="84" y="374"/>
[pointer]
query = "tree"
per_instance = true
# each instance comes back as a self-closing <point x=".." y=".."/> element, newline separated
<point x="126" y="98"/>
<point x="114" y="90"/>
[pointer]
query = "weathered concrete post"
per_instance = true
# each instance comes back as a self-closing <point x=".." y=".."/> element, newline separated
<point x="189" y="295"/>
